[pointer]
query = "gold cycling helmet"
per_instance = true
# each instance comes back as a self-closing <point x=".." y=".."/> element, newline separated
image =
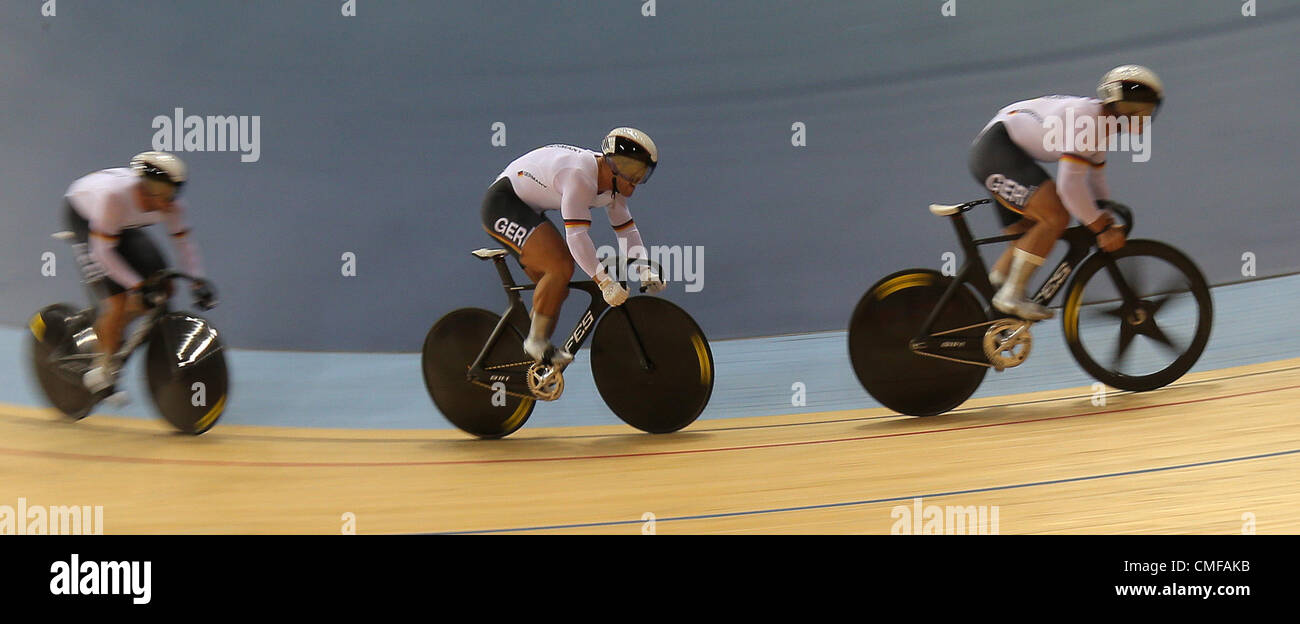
<point x="1131" y="90"/>
<point x="631" y="154"/>
<point x="162" y="173"/>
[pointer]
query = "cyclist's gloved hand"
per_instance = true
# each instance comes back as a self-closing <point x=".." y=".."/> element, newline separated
<point x="650" y="281"/>
<point x="204" y="295"/>
<point x="154" y="291"/>
<point x="1111" y="239"/>
<point x="611" y="290"/>
<point x="1110" y="235"/>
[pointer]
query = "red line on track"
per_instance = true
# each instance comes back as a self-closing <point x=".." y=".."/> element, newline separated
<point x="272" y="464"/>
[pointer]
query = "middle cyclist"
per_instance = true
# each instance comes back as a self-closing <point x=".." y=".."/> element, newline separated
<point x="572" y="180"/>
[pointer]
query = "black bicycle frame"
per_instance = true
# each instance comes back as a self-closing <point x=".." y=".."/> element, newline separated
<point x="576" y="339"/>
<point x="70" y="365"/>
<point x="1079" y="238"/>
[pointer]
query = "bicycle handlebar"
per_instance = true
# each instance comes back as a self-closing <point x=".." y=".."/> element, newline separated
<point x="1124" y="213"/>
<point x="167" y="274"/>
<point x="159" y="277"/>
<point x="646" y="261"/>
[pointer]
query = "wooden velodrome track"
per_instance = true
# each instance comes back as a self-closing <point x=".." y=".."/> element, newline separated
<point x="1195" y="457"/>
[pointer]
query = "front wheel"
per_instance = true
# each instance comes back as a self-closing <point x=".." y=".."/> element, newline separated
<point x="652" y="364"/>
<point x="449" y="349"/>
<point x="1137" y="319"/>
<point x="186" y="370"/>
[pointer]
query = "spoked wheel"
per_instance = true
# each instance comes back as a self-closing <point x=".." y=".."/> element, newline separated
<point x="52" y="330"/>
<point x="186" y="370"/>
<point x="450" y="348"/>
<point x="1138" y="319"/>
<point x="652" y="364"/>
<point x="881" y="331"/>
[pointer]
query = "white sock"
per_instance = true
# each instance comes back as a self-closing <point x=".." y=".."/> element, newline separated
<point x="539" y="335"/>
<point x="1023" y="265"/>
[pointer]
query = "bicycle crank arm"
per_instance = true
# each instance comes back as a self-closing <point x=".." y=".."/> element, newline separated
<point x="540" y="381"/>
<point x="1007" y="343"/>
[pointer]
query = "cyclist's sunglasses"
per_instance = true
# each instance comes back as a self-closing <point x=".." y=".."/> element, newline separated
<point x="630" y="169"/>
<point x="159" y="188"/>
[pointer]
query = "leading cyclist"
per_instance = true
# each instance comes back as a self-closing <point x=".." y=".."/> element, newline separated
<point x="572" y="180"/>
<point x="1004" y="159"/>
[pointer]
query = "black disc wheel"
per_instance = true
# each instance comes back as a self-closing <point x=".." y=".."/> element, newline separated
<point x="51" y="338"/>
<point x="186" y="369"/>
<point x="449" y="349"/>
<point x="652" y="364"/>
<point x="1138" y="318"/>
<point x="881" y="333"/>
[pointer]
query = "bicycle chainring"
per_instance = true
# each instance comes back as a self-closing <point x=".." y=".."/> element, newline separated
<point x="1007" y="343"/>
<point x="546" y="382"/>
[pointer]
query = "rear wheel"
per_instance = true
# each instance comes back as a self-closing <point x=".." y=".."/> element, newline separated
<point x="652" y="364"/>
<point x="449" y="349"/>
<point x="1137" y="319"/>
<point x="49" y="340"/>
<point x="882" y="329"/>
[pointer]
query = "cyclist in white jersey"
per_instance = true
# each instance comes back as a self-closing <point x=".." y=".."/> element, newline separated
<point x="105" y="211"/>
<point x="572" y="180"/>
<point x="1004" y="159"/>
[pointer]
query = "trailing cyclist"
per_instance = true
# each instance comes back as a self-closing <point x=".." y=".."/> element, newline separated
<point x="106" y="212"/>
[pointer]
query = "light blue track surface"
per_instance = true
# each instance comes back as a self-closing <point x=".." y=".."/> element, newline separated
<point x="1254" y="322"/>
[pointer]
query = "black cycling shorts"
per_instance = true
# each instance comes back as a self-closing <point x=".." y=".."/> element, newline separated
<point x="508" y="219"/>
<point x="1009" y="174"/>
<point x="132" y="244"/>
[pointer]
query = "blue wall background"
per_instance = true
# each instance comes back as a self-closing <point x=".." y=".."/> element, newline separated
<point x="376" y="139"/>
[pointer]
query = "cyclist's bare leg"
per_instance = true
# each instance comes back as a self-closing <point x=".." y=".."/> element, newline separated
<point x="1050" y="219"/>
<point x="549" y="264"/>
<point x="115" y="313"/>
<point x="1003" y="264"/>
